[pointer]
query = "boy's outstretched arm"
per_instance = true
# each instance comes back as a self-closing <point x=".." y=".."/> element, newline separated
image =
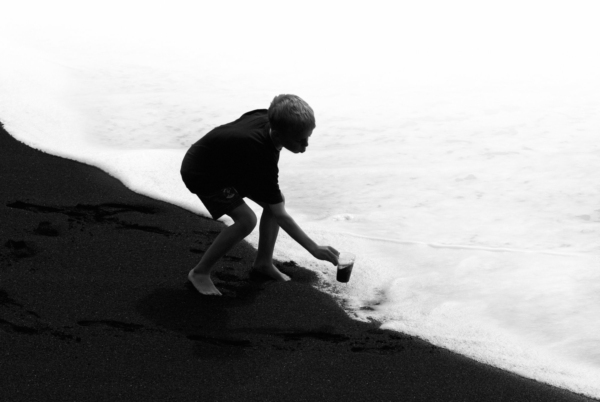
<point x="287" y="223"/>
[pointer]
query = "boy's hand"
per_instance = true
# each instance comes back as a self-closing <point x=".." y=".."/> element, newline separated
<point x="326" y="253"/>
<point x="287" y="223"/>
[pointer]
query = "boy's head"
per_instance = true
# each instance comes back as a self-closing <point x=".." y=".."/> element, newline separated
<point x="292" y="121"/>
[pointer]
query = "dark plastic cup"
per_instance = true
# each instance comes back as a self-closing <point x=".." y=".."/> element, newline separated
<point x="345" y="265"/>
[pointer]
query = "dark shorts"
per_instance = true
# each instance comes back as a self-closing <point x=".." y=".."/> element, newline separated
<point x="221" y="202"/>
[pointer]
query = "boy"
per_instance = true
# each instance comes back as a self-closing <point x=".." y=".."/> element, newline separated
<point x="238" y="160"/>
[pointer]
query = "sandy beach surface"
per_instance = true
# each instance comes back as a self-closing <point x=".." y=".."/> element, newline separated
<point x="94" y="306"/>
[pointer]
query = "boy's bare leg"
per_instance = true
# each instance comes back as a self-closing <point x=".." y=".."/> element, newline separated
<point x="268" y="231"/>
<point x="244" y="222"/>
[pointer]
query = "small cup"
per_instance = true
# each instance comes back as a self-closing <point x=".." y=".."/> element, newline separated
<point x="345" y="265"/>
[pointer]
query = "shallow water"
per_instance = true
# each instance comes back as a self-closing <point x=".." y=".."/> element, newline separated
<point x="466" y="185"/>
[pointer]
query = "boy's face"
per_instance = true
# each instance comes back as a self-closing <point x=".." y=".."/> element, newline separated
<point x="295" y="143"/>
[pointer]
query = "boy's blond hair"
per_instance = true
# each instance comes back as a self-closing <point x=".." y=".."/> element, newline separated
<point x="291" y="115"/>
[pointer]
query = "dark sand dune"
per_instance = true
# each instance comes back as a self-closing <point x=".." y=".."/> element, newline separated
<point x="94" y="306"/>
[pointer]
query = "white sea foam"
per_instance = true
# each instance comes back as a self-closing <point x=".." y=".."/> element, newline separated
<point x="464" y="181"/>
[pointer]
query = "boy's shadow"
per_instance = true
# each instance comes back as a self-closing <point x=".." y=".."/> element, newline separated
<point x="205" y="318"/>
<point x="184" y="310"/>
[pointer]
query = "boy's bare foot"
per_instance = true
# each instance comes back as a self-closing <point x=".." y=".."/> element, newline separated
<point x="272" y="271"/>
<point x="203" y="284"/>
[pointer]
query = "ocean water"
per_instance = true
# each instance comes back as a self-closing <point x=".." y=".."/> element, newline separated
<point x="456" y="150"/>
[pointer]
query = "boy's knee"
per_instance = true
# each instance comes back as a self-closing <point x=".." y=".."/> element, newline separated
<point x="244" y="218"/>
<point x="247" y="221"/>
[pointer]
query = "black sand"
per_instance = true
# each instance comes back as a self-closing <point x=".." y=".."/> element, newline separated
<point x="94" y="307"/>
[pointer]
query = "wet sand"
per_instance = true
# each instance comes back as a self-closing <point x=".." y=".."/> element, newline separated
<point x="94" y="306"/>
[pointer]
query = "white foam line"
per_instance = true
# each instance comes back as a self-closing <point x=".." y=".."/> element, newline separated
<point x="464" y="247"/>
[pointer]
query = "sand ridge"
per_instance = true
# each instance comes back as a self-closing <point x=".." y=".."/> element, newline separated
<point x="94" y="305"/>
